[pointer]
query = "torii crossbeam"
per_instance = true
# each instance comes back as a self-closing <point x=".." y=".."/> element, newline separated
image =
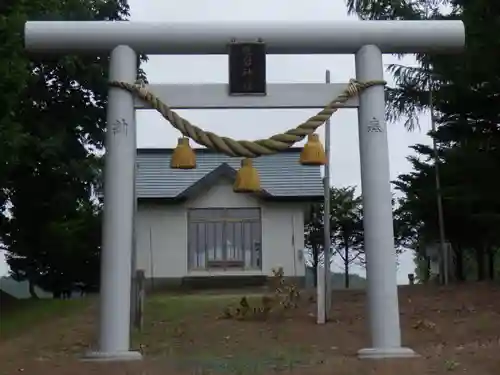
<point x="368" y="40"/>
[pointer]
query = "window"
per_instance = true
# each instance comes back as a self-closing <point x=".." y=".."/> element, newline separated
<point x="224" y="238"/>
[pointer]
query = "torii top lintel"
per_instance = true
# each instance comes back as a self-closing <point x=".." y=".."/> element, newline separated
<point x="209" y="38"/>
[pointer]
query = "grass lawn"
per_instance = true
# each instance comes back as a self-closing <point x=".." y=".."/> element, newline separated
<point x="455" y="330"/>
<point x="190" y="333"/>
<point x="23" y="315"/>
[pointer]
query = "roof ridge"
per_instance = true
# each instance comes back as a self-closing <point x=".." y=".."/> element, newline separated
<point x="162" y="150"/>
<point x="210" y="179"/>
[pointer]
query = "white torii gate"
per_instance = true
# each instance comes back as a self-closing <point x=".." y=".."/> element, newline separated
<point x="368" y="40"/>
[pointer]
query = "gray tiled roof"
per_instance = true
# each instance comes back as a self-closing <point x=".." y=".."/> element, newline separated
<point x="281" y="174"/>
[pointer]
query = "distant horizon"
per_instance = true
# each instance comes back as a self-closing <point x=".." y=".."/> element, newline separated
<point x="335" y="268"/>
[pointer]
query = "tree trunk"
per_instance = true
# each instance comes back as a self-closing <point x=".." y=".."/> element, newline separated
<point x="346" y="267"/>
<point x="491" y="264"/>
<point x="424" y="269"/>
<point x="459" y="263"/>
<point x="315" y="265"/>
<point x="31" y="289"/>
<point x="481" y="270"/>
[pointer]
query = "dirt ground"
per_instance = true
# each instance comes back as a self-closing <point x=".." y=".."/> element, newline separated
<point x="454" y="329"/>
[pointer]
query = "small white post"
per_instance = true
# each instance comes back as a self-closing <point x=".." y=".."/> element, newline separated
<point x="133" y="262"/>
<point x="114" y="329"/>
<point x="326" y="218"/>
<point x="377" y="207"/>
<point x="320" y="297"/>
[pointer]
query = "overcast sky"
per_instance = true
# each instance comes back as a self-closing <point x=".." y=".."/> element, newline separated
<point x="153" y="131"/>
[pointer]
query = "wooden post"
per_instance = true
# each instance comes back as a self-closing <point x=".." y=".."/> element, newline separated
<point x="320" y="301"/>
<point x="138" y="313"/>
<point x="133" y="298"/>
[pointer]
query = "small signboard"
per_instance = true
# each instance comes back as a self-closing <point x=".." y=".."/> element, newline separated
<point x="247" y="68"/>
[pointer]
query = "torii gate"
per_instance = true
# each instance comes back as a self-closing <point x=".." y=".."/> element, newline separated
<point x="368" y="40"/>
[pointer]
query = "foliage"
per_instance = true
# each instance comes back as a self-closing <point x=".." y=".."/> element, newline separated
<point x="346" y="229"/>
<point x="465" y="98"/>
<point x="285" y="296"/>
<point x="52" y="116"/>
<point x="313" y="237"/>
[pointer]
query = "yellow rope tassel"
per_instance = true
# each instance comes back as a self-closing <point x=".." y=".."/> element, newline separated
<point x="313" y="152"/>
<point x="247" y="178"/>
<point x="249" y="149"/>
<point x="183" y="156"/>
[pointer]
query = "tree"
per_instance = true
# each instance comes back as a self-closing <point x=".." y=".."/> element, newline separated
<point x="465" y="96"/>
<point x="346" y="229"/>
<point x="313" y="237"/>
<point x="52" y="116"/>
<point x="469" y="211"/>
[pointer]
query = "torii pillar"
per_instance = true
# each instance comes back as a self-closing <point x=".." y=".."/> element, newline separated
<point x="368" y="40"/>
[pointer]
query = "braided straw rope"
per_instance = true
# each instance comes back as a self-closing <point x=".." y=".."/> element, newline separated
<point x="250" y="149"/>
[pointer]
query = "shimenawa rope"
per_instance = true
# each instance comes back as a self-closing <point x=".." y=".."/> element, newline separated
<point x="242" y="148"/>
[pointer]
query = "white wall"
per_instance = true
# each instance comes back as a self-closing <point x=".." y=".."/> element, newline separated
<point x="162" y="234"/>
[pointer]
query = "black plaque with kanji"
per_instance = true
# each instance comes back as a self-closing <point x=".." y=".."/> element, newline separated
<point x="247" y="68"/>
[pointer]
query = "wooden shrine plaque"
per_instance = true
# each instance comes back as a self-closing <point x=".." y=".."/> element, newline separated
<point x="247" y="68"/>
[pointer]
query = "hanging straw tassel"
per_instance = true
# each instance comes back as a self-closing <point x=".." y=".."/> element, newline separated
<point x="313" y="152"/>
<point x="247" y="178"/>
<point x="183" y="156"/>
